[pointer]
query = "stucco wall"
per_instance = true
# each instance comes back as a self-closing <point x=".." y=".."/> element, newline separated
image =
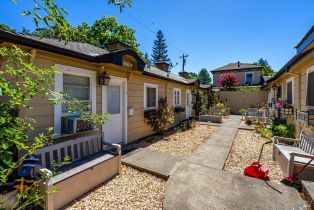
<point x="241" y="74"/>
<point x="241" y="99"/>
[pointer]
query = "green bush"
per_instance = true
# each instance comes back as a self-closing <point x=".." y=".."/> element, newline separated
<point x="266" y="133"/>
<point x="283" y="130"/>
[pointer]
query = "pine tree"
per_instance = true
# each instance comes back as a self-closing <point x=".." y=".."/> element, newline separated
<point x="160" y="49"/>
<point x="204" y="77"/>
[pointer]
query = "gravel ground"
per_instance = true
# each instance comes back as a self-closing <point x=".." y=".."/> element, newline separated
<point x="245" y="150"/>
<point x="179" y="144"/>
<point x="131" y="189"/>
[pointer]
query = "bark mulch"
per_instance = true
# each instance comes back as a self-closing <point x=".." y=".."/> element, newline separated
<point x="246" y="149"/>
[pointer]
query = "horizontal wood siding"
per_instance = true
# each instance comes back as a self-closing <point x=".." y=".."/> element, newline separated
<point x="137" y="128"/>
<point x="43" y="111"/>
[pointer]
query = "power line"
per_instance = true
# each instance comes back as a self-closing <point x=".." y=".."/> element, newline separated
<point x="143" y="25"/>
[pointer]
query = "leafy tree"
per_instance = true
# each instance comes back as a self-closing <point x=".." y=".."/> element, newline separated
<point x="103" y="30"/>
<point x="107" y="29"/>
<point x="267" y="70"/>
<point x="160" y="49"/>
<point x="204" y="77"/>
<point x="48" y="13"/>
<point x="192" y="75"/>
<point x="228" y="80"/>
<point x="6" y="27"/>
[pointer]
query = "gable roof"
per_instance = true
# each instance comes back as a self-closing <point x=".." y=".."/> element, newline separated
<point x="235" y="67"/>
<point x="78" y="50"/>
<point x="88" y="52"/>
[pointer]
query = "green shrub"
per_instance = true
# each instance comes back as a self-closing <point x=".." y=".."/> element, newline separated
<point x="242" y="111"/>
<point x="283" y="130"/>
<point x="266" y="133"/>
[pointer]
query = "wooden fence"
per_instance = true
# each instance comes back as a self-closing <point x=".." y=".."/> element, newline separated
<point x="243" y="99"/>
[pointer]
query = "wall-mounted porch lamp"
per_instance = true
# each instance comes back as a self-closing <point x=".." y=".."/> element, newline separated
<point x="103" y="78"/>
<point x="274" y="87"/>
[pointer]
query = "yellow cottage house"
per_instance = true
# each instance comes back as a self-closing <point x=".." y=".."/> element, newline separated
<point x="295" y="83"/>
<point x="132" y="90"/>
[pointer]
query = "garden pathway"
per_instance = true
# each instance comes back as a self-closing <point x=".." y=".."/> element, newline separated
<point x="200" y="183"/>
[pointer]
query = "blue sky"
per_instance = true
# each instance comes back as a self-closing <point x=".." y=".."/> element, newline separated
<point x="212" y="33"/>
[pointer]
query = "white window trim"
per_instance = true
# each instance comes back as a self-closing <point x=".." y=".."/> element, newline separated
<point x="309" y="70"/>
<point x="58" y="87"/>
<point x="252" y="76"/>
<point x="174" y="90"/>
<point x="146" y="85"/>
<point x="291" y="79"/>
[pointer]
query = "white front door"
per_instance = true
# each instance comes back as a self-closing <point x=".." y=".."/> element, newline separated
<point x="114" y="103"/>
<point x="188" y="107"/>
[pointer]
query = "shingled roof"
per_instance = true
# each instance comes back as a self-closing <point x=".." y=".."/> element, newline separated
<point x="237" y="66"/>
<point x="83" y="48"/>
<point x="153" y="71"/>
<point x="88" y="52"/>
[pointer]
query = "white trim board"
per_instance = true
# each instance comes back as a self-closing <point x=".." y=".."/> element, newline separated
<point x="173" y="96"/>
<point x="114" y="80"/>
<point x="150" y="85"/>
<point x="58" y="87"/>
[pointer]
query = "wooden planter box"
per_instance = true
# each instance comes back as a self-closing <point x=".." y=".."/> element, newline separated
<point x="211" y="118"/>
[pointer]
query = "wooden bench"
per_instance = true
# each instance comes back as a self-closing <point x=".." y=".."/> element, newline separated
<point x="92" y="163"/>
<point x="293" y="154"/>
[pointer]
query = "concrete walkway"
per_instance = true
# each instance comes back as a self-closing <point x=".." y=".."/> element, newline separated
<point x="154" y="162"/>
<point x="200" y="183"/>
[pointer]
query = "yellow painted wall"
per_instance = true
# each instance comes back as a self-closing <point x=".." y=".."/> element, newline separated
<point x="299" y="73"/>
<point x="43" y="111"/>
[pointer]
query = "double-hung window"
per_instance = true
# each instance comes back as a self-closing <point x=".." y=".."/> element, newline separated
<point x="78" y="87"/>
<point x="176" y="97"/>
<point x="249" y="78"/>
<point x="290" y="90"/>
<point x="150" y="96"/>
<point x="77" y="83"/>
<point x="310" y="88"/>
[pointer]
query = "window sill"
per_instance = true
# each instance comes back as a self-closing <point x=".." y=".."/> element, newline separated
<point x="67" y="135"/>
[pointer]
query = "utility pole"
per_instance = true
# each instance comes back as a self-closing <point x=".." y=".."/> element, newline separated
<point x="183" y="57"/>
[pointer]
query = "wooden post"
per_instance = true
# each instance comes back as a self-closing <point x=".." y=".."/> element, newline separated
<point x="118" y="148"/>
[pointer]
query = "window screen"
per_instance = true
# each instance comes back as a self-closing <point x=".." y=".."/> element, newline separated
<point x="151" y="97"/>
<point x="310" y="90"/>
<point x="176" y="97"/>
<point x="77" y="87"/>
<point x="113" y="102"/>
<point x="289" y="93"/>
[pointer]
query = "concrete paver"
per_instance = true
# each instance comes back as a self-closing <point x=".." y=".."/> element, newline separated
<point x="153" y="162"/>
<point x="200" y="183"/>
<point x="194" y="186"/>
